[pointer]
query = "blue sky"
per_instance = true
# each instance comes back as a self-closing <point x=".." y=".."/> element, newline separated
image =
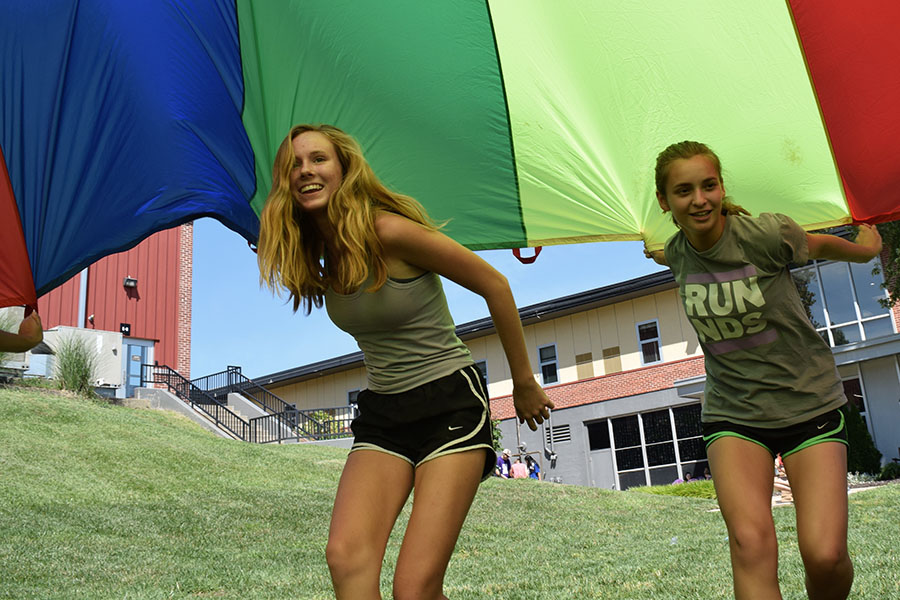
<point x="235" y="322"/>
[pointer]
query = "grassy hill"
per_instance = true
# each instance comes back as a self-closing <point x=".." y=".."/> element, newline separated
<point x="100" y="501"/>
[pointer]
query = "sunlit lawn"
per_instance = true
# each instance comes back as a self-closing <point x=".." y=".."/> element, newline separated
<point x="99" y="501"/>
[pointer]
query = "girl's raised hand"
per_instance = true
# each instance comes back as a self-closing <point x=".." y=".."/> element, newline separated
<point x="657" y="256"/>
<point x="531" y="403"/>
<point x="868" y="237"/>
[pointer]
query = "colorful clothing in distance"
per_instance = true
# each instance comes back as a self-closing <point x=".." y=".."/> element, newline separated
<point x="519" y="471"/>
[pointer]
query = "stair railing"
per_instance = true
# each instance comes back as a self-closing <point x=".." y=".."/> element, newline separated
<point x="197" y="398"/>
<point x="282" y="414"/>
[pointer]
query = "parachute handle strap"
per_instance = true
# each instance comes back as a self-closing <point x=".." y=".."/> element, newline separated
<point x="527" y="260"/>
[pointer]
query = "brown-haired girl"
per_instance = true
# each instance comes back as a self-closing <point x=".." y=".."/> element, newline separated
<point x="771" y="382"/>
<point x="332" y="233"/>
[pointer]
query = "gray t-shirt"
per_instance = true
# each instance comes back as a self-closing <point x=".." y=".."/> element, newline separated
<point x="404" y="329"/>
<point x="765" y="364"/>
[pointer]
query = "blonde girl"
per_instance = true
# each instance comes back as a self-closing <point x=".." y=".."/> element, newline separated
<point x="332" y="234"/>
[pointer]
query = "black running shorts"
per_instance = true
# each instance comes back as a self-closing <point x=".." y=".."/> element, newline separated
<point x="827" y="427"/>
<point x="441" y="417"/>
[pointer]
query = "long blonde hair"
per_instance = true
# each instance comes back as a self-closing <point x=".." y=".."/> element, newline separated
<point x="291" y="249"/>
<point x="685" y="150"/>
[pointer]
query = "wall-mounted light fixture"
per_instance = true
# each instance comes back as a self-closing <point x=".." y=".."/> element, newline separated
<point x="130" y="282"/>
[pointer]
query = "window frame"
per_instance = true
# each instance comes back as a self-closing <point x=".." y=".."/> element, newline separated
<point x="680" y="464"/>
<point x="641" y="343"/>
<point x="864" y="400"/>
<point x="484" y="371"/>
<point x="542" y="363"/>
<point x="827" y="331"/>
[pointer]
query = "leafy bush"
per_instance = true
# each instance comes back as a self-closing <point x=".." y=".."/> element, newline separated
<point x="693" y="489"/>
<point x="862" y="456"/>
<point x="330" y="425"/>
<point x="496" y="435"/>
<point x="859" y="479"/>
<point x="890" y="471"/>
<point x="76" y="365"/>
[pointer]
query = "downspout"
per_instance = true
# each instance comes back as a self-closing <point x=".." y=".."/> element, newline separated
<point x="82" y="297"/>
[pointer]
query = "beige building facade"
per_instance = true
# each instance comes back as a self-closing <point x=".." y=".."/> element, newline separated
<point x="625" y="370"/>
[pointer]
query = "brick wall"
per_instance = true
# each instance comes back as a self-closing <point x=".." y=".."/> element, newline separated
<point x="185" y="278"/>
<point x="608" y="387"/>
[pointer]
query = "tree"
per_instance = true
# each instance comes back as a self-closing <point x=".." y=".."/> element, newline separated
<point x="890" y="236"/>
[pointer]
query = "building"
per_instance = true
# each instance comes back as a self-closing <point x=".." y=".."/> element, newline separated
<point x="624" y="367"/>
<point x="139" y="304"/>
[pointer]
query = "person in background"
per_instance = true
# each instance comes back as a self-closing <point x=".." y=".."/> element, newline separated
<point x="504" y="467"/>
<point x="534" y="469"/>
<point x="519" y="470"/>
<point x="734" y="280"/>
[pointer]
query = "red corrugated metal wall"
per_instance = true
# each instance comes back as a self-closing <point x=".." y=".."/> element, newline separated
<point x="158" y="308"/>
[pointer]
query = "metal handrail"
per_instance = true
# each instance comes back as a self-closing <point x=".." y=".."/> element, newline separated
<point x="197" y="398"/>
<point x="329" y="423"/>
<point x="284" y="421"/>
<point x="233" y="381"/>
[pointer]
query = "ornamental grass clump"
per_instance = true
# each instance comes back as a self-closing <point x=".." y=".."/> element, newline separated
<point x="76" y="365"/>
<point x="703" y="488"/>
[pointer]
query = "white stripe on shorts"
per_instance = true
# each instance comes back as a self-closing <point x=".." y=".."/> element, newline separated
<point x="482" y="396"/>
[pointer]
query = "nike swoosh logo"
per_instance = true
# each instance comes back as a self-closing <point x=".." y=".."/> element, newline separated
<point x="821" y="426"/>
<point x="455" y="428"/>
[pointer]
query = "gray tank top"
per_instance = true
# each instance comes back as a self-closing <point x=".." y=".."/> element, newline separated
<point x="404" y="329"/>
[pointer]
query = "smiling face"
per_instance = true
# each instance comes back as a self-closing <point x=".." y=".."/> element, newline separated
<point x="316" y="173"/>
<point x="694" y="193"/>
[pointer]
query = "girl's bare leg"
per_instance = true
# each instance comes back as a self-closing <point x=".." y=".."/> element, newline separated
<point x="743" y="475"/>
<point x="818" y="476"/>
<point x="373" y="489"/>
<point x="444" y="490"/>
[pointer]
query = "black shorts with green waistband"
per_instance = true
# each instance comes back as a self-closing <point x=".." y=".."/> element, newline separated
<point x="827" y="427"/>
<point x="448" y="415"/>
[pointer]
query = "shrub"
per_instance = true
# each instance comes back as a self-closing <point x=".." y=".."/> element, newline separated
<point x="890" y="471"/>
<point x="76" y="365"/>
<point x="859" y="479"/>
<point x="862" y="456"/>
<point x="496" y="435"/>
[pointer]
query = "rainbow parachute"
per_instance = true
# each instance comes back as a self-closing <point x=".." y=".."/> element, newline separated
<point x="524" y="122"/>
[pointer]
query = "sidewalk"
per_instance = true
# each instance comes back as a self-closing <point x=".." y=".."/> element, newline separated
<point x="778" y="501"/>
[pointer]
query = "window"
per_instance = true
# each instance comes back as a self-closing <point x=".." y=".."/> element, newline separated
<point x="648" y="338"/>
<point x="547" y="356"/>
<point x="842" y="300"/>
<point x="655" y="447"/>
<point x="598" y="435"/>
<point x="854" y="393"/>
<point x="482" y="366"/>
<point x="352" y="395"/>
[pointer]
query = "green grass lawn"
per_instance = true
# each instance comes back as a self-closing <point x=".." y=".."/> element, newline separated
<point x="100" y="501"/>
